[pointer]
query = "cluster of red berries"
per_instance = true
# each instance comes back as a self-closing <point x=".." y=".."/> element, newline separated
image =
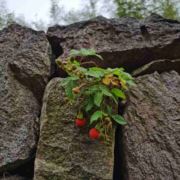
<point x="93" y="132"/>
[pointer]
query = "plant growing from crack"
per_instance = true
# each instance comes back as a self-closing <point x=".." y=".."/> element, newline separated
<point x="95" y="91"/>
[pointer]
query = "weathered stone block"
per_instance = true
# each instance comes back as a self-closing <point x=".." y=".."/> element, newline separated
<point x="125" y="42"/>
<point x="151" y="140"/>
<point x="64" y="151"/>
<point x="24" y="72"/>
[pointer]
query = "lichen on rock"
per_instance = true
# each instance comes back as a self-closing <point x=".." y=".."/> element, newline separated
<point x="64" y="151"/>
<point x="151" y="138"/>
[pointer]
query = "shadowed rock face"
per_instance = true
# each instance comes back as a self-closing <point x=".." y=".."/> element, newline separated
<point x="125" y="42"/>
<point x="14" y="178"/>
<point x="64" y="151"/>
<point x="151" y="139"/>
<point x="24" y="72"/>
<point x="162" y="65"/>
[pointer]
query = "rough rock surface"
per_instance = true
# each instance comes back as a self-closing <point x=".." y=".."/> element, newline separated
<point x="24" y="71"/>
<point x="151" y="140"/>
<point x="125" y="42"/>
<point x="65" y="152"/>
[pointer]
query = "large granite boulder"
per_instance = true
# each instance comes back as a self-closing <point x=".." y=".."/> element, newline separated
<point x="24" y="72"/>
<point x="64" y="151"/>
<point x="151" y="140"/>
<point x="126" y="42"/>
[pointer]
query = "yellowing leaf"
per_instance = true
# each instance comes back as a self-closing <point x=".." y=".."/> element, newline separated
<point x="107" y="79"/>
<point x="115" y="81"/>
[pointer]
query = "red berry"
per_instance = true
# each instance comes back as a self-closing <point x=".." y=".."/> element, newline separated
<point x="94" y="133"/>
<point x="80" y="122"/>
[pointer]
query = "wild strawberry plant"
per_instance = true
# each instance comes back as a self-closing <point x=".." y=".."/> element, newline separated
<point x="96" y="90"/>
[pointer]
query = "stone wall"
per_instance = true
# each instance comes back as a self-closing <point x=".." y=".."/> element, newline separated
<point x="147" y="148"/>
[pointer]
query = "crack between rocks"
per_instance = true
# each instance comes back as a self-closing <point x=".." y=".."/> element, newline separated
<point x="56" y="51"/>
<point x="119" y="172"/>
<point x="160" y="66"/>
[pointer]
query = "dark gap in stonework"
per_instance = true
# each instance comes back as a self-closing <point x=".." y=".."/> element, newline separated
<point x="56" y="51"/>
<point x="119" y="161"/>
<point x="24" y="172"/>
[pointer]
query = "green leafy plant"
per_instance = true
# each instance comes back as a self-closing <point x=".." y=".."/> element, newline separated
<point x="96" y="91"/>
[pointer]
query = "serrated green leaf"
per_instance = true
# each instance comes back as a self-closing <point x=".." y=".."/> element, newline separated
<point x="126" y="76"/>
<point x="131" y="83"/>
<point x="95" y="72"/>
<point x="82" y="69"/>
<point x="105" y="90"/>
<point x="118" y="93"/>
<point x="115" y="99"/>
<point x="68" y="89"/>
<point x="119" y="119"/>
<point x="76" y="63"/>
<point x="98" y="69"/>
<point x="92" y="89"/>
<point x="90" y="104"/>
<point x="98" y="97"/>
<point x="66" y="80"/>
<point x="69" y="83"/>
<point x="108" y="93"/>
<point x="96" y="116"/>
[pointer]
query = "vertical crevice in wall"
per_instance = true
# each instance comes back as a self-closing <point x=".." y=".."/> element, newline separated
<point x="119" y="160"/>
<point x="56" y="51"/>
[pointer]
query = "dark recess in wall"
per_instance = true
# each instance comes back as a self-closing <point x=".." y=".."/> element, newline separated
<point x="26" y="171"/>
<point x="119" y="162"/>
<point x="56" y="51"/>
